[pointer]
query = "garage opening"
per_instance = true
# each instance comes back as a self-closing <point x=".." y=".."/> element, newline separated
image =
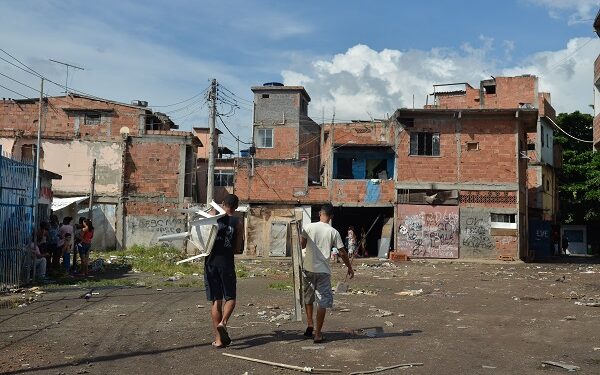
<point x="375" y="224"/>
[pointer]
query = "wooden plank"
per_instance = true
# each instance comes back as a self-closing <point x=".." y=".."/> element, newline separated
<point x="294" y="229"/>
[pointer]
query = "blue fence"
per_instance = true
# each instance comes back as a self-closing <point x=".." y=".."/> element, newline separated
<point x="16" y="221"/>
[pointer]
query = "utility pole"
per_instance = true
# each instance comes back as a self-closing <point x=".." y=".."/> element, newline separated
<point x="92" y="186"/>
<point x="212" y="97"/>
<point x="36" y="190"/>
<point x="67" y="79"/>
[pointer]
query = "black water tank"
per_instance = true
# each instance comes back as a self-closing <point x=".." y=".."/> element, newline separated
<point x="273" y="84"/>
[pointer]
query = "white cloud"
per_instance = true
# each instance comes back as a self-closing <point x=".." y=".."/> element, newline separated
<point x="362" y="81"/>
<point x="576" y="10"/>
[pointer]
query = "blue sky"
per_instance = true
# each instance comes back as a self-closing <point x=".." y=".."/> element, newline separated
<point x="359" y="58"/>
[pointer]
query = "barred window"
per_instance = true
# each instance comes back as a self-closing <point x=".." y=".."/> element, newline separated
<point x="425" y="144"/>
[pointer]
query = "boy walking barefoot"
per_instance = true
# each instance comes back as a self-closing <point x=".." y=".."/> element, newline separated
<point x="318" y="239"/>
<point x="219" y="270"/>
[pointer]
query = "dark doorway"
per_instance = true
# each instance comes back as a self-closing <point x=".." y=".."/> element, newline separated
<point x="363" y="217"/>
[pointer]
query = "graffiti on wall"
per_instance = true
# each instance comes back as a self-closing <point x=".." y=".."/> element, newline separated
<point x="475" y="237"/>
<point x="428" y="231"/>
<point x="159" y="225"/>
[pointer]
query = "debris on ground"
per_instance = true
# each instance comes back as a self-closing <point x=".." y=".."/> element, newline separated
<point x="566" y="366"/>
<point x="411" y="293"/>
<point x="590" y="304"/>
<point x="381" y="369"/>
<point x="569" y="317"/>
<point x="282" y="365"/>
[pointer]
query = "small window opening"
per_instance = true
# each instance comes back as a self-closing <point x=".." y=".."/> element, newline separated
<point x="265" y="96"/>
<point x="92" y="119"/>
<point x="472" y="146"/>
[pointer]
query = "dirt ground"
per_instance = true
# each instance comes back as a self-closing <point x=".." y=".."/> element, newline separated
<point x="462" y="318"/>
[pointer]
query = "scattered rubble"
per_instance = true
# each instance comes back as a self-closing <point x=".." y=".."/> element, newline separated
<point x="411" y="293"/>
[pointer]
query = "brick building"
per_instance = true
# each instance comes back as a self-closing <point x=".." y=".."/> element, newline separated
<point x="224" y="167"/>
<point x="544" y="155"/>
<point x="143" y="165"/>
<point x="420" y="182"/>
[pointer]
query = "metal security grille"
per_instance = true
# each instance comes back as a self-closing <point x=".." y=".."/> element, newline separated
<point x="489" y="197"/>
<point x="16" y="221"/>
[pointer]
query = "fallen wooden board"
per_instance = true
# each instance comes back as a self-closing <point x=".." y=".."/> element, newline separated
<point x="309" y="370"/>
<point x="566" y="366"/>
<point x="381" y="369"/>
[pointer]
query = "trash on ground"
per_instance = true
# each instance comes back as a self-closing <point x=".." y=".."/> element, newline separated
<point x="566" y="366"/>
<point x="569" y="317"/>
<point x="411" y="293"/>
<point x="314" y="347"/>
<point x="590" y="304"/>
<point x="381" y="369"/>
<point x="389" y="324"/>
<point x="305" y="369"/>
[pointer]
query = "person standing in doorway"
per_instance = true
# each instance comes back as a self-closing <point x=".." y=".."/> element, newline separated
<point x="565" y="245"/>
<point x="219" y="270"/>
<point x="318" y="239"/>
<point x="352" y="242"/>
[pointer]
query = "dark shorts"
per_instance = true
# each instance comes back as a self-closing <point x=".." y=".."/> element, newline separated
<point x="83" y="249"/>
<point x="220" y="282"/>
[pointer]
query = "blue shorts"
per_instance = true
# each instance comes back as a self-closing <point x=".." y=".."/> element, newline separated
<point x="219" y="282"/>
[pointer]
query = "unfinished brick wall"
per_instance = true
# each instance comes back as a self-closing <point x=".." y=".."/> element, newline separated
<point x="443" y="168"/>
<point x="64" y="116"/>
<point x="310" y="146"/>
<point x="510" y="91"/>
<point x="496" y="157"/>
<point x="363" y="192"/>
<point x="468" y="99"/>
<point x="285" y="144"/>
<point x="364" y="133"/>
<point x="273" y="181"/>
<point x="152" y="169"/>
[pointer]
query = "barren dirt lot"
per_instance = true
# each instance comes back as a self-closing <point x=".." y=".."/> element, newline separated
<point x="454" y="318"/>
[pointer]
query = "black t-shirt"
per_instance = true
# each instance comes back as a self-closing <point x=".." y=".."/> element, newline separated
<point x="222" y="251"/>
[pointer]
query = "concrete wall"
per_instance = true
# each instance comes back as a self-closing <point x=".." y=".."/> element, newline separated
<point x="73" y="161"/>
<point x="479" y="240"/>
<point x="427" y="231"/>
<point x="145" y="230"/>
<point x="260" y="218"/>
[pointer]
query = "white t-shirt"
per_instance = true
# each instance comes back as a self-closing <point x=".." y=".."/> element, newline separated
<point x="320" y="238"/>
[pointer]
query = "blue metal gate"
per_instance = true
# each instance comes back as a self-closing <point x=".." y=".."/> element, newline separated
<point x="16" y="221"/>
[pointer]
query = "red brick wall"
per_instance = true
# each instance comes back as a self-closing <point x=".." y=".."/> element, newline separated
<point x="429" y="168"/>
<point x="58" y="122"/>
<point x="285" y="144"/>
<point x="137" y="208"/>
<point x="497" y="144"/>
<point x="152" y="169"/>
<point x="366" y="133"/>
<point x="468" y="100"/>
<point x="355" y="192"/>
<point x="510" y="91"/>
<point x="273" y="181"/>
<point x="495" y="161"/>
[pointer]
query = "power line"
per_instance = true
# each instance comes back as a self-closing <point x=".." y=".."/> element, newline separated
<point x="233" y="135"/>
<point x="575" y="138"/>
<point x="183" y="101"/>
<point x="14" y="92"/>
<point x="19" y="82"/>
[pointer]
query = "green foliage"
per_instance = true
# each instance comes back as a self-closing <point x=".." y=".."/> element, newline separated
<point x="281" y="286"/>
<point x="155" y="259"/>
<point x="579" y="179"/>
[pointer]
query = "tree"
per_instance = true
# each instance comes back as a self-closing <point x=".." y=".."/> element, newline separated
<point x="579" y="179"/>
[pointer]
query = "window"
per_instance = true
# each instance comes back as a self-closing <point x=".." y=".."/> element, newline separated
<point x="92" y="118"/>
<point x="472" y="146"/>
<point x="425" y="144"/>
<point x="265" y="138"/>
<point x="223" y="178"/>
<point x="505" y="221"/>
<point x="542" y="136"/>
<point x="265" y="96"/>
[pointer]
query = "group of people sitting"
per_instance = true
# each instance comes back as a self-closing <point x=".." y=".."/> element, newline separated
<point x="55" y="242"/>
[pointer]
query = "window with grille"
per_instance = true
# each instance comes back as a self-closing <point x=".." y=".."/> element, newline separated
<point x="92" y="118"/>
<point x="507" y="221"/>
<point x="425" y="144"/>
<point x="264" y="138"/>
<point x="223" y="178"/>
